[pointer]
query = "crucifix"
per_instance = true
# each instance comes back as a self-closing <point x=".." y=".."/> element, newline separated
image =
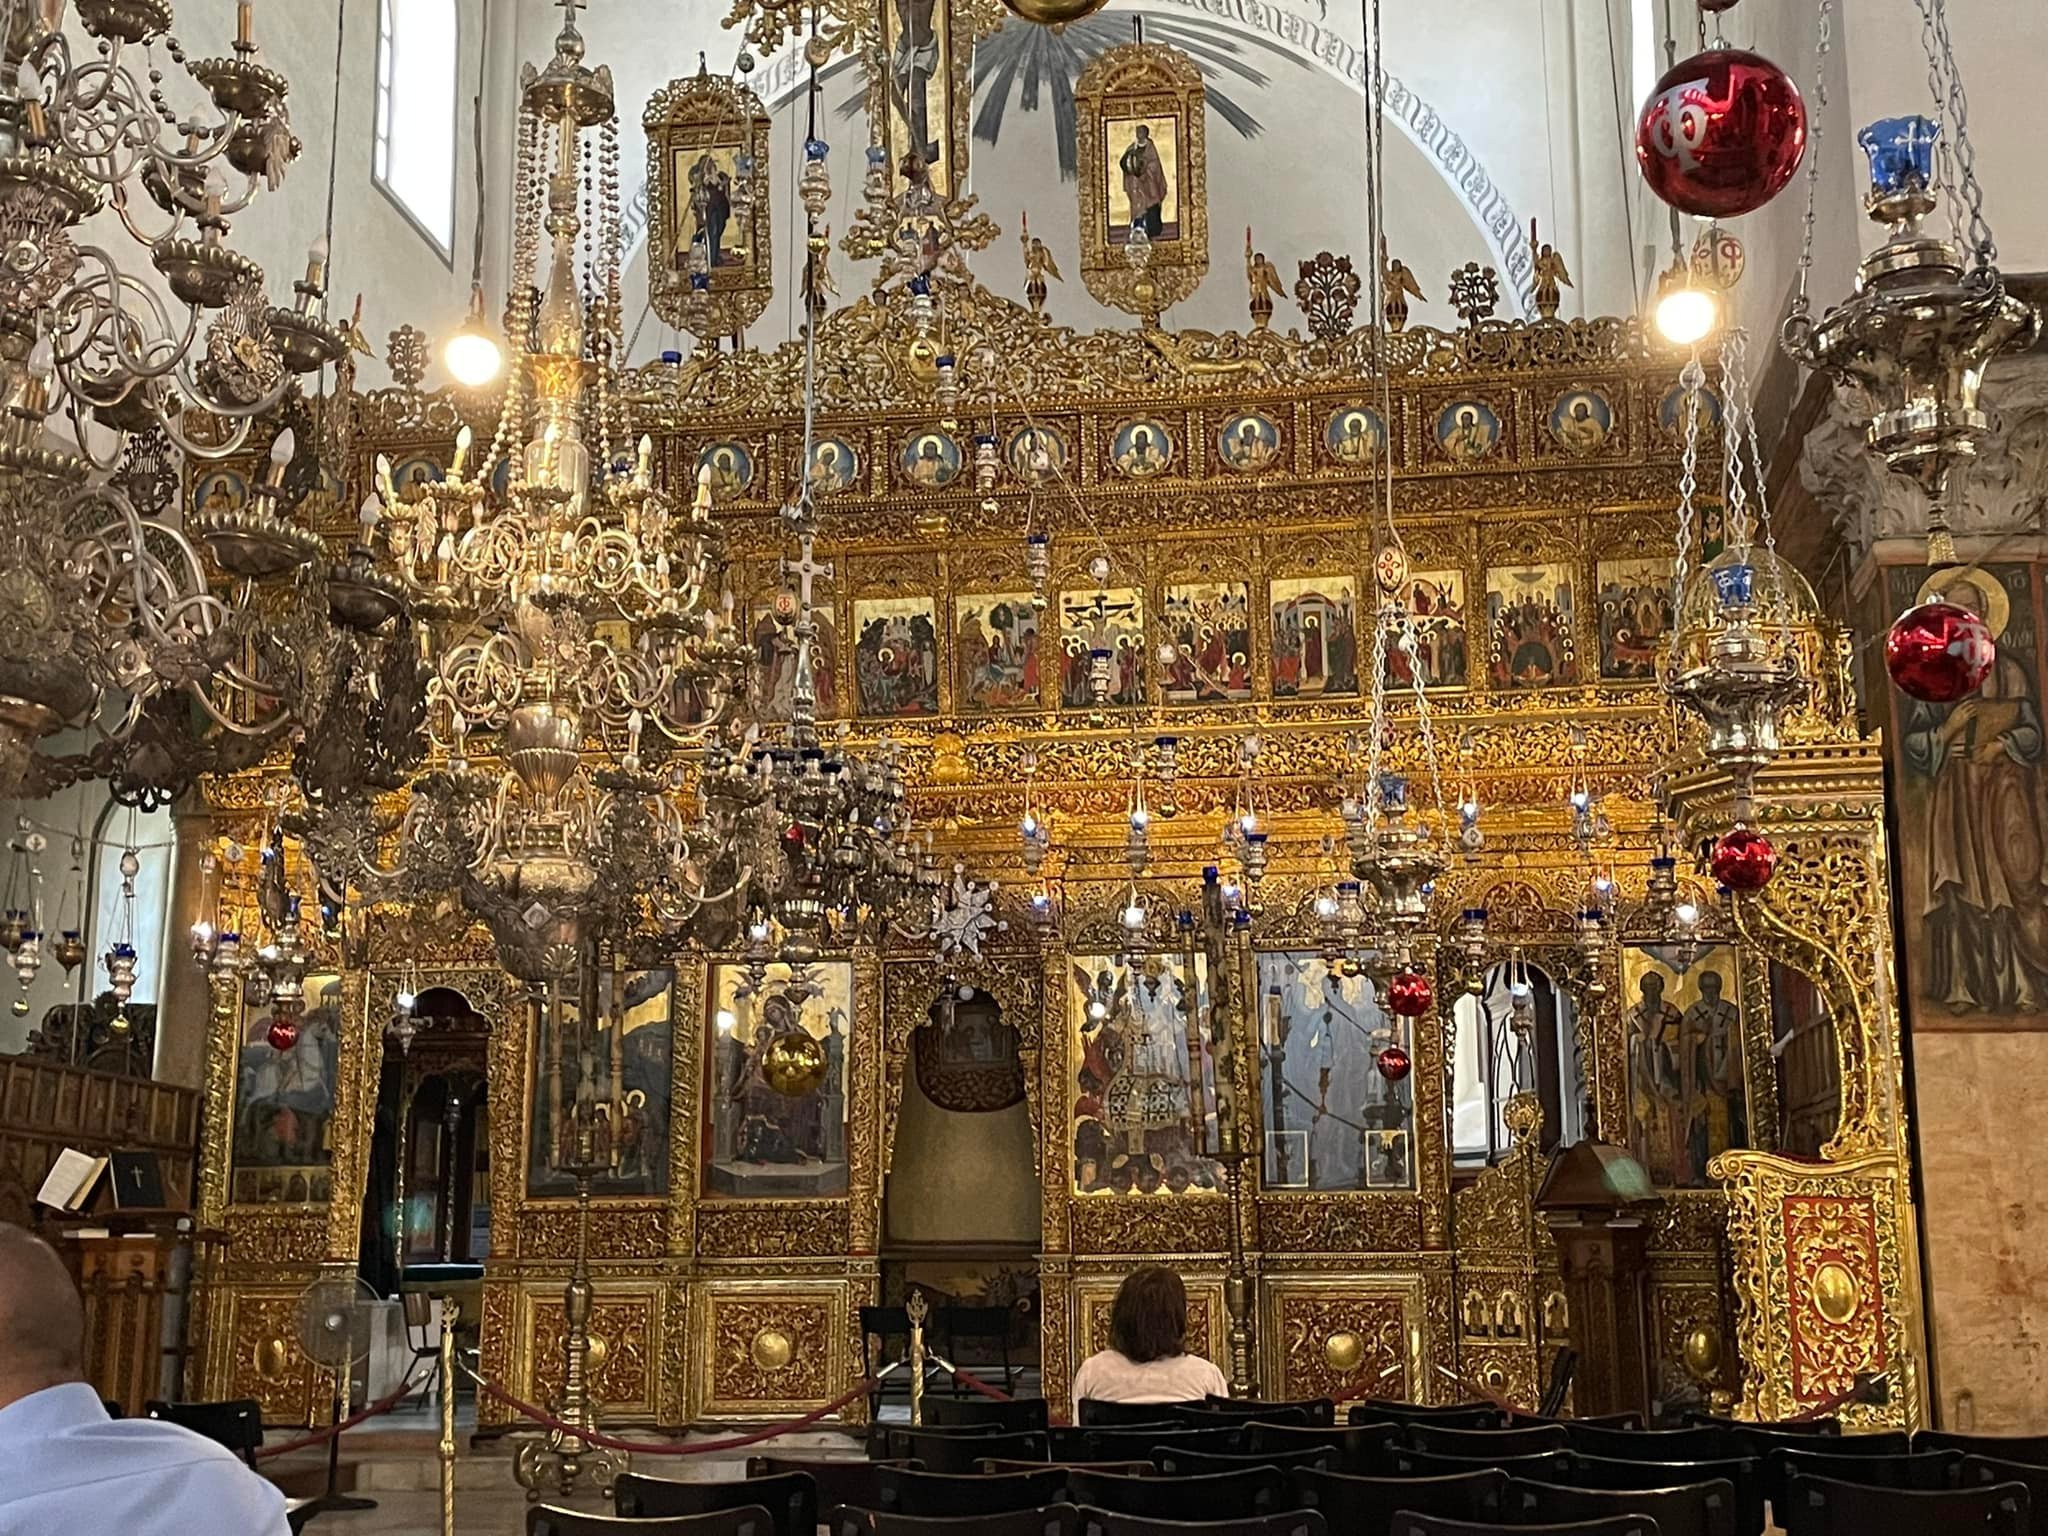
<point x="803" y="694"/>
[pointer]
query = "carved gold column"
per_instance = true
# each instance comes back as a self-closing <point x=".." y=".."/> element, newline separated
<point x="1825" y="1254"/>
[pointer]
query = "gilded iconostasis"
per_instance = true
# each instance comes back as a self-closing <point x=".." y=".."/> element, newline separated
<point x="1257" y="798"/>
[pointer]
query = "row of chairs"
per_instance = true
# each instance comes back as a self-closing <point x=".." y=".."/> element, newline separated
<point x="1007" y="1502"/>
<point x="1499" y="1506"/>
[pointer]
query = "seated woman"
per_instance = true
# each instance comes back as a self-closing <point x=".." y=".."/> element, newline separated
<point x="1146" y="1361"/>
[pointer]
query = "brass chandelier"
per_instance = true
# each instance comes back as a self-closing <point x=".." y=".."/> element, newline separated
<point x="107" y="620"/>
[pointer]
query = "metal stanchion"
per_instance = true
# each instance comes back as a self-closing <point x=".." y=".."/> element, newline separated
<point x="450" y="1312"/>
<point x="918" y="1309"/>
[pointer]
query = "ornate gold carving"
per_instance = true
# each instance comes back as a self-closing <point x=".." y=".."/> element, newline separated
<point x="1341" y="1339"/>
<point x="773" y="1349"/>
<point x="1823" y="1283"/>
<point x="620" y="1371"/>
<point x="1143" y="103"/>
<point x="742" y="1229"/>
<point x="712" y="128"/>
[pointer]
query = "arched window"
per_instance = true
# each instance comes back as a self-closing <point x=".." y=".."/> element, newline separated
<point x="1485" y="1074"/>
<point x="417" y="81"/>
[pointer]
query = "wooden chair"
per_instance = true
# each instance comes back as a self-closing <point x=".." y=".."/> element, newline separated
<point x="1138" y="1444"/>
<point x="236" y="1424"/>
<point x="1819" y="1506"/>
<point x="941" y="1495"/>
<point x="1695" y="1442"/>
<point x="1440" y="1440"/>
<point x="1242" y="1495"/>
<point x="1408" y="1523"/>
<point x="1455" y="1416"/>
<point x="978" y="1325"/>
<point x="1743" y="1473"/>
<point x="1321" y="1410"/>
<point x="1123" y="1468"/>
<point x="1052" y="1520"/>
<point x="1293" y="1522"/>
<point x="1013" y="1417"/>
<point x="1212" y="1417"/>
<point x="1543" y="1466"/>
<point x="2016" y="1450"/>
<point x="1174" y="1461"/>
<point x="790" y="1498"/>
<point x="1924" y="1473"/>
<point x="743" y="1520"/>
<point x="1366" y="1506"/>
<point x="837" y="1480"/>
<point x="1773" y="1426"/>
<point x="1692" y="1509"/>
<point x="1105" y="1415"/>
<point x="959" y="1453"/>
<point x="1361" y="1448"/>
<point x="1982" y="1472"/>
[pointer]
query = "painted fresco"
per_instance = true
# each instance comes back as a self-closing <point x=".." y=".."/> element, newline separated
<point x="1687" y="1098"/>
<point x="1331" y="1120"/>
<point x="760" y="1140"/>
<point x="1142" y="1094"/>
<point x="1973" y="816"/>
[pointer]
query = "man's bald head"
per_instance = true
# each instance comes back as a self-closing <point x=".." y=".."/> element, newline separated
<point x="42" y="1321"/>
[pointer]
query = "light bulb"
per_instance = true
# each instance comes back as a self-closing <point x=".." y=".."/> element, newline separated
<point x="1248" y="823"/>
<point x="1029" y="825"/>
<point x="473" y="358"/>
<point x="726" y="1021"/>
<point x="405" y="1001"/>
<point x="1134" y="917"/>
<point x="1686" y="913"/>
<point x="1139" y="817"/>
<point x="1326" y="907"/>
<point x="1687" y="315"/>
<point x="1097" y="1009"/>
<point x="1580" y="799"/>
<point x="283" y="446"/>
<point x="473" y="354"/>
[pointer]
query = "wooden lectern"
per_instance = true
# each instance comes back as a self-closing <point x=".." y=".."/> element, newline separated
<point x="1597" y="1201"/>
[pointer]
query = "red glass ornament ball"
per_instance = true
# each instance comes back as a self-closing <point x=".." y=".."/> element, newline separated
<point x="1939" y="653"/>
<point x="1715" y="7"/>
<point x="1744" y="859"/>
<point x="1410" y="994"/>
<point x="1721" y="134"/>
<point x="284" y="1034"/>
<point x="1393" y="1063"/>
<point x="793" y="837"/>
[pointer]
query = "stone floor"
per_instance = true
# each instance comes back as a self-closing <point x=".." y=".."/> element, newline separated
<point x="398" y="1467"/>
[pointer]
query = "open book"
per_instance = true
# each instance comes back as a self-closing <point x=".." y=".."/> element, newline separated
<point x="71" y="1180"/>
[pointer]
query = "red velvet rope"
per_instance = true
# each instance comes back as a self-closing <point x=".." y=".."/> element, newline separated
<point x="547" y="1420"/>
<point x="383" y="1404"/>
<point x="981" y="1386"/>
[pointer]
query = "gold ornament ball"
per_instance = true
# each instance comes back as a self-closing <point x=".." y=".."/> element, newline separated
<point x="1343" y="1351"/>
<point x="1835" y="1293"/>
<point x="1702" y="1352"/>
<point x="793" y="1064"/>
<point x="600" y="1351"/>
<point x="119" y="1025"/>
<point x="1053" y="13"/>
<point x="772" y="1349"/>
<point x="21" y="1007"/>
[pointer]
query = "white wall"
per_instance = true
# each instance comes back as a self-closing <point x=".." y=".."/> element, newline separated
<point x="376" y="250"/>
<point x="1498" y="117"/>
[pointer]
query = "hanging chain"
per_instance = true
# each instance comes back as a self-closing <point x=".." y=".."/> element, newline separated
<point x="1732" y="406"/>
<point x="1798" y="326"/>
<point x="1693" y="378"/>
<point x="1937" y="88"/>
<point x="1981" y="243"/>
